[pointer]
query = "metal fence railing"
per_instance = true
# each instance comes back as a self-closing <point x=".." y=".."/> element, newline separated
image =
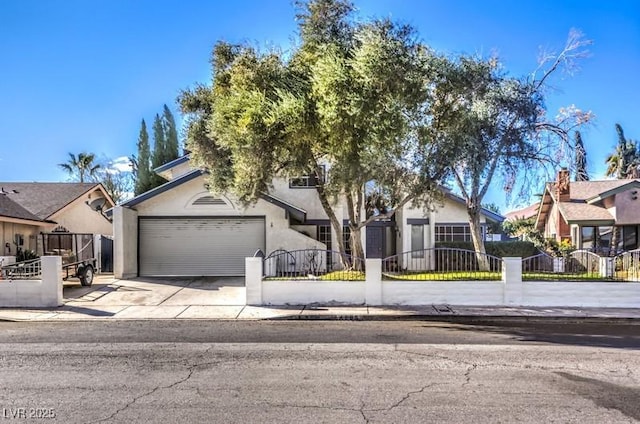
<point x="442" y="264"/>
<point x="627" y="266"/>
<point x="313" y="264"/>
<point x="580" y="265"/>
<point x="27" y="270"/>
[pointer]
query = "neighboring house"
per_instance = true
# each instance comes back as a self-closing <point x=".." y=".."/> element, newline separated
<point x="592" y="215"/>
<point x="530" y="211"/>
<point x="29" y="209"/>
<point x="181" y="229"/>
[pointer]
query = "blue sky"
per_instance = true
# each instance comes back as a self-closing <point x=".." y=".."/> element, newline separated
<point x="80" y="75"/>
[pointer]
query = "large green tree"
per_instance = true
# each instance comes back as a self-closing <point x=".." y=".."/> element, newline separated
<point x="501" y="124"/>
<point x="158" y="157"/>
<point x="141" y="163"/>
<point x="580" y="159"/>
<point x="171" y="148"/>
<point x="350" y="95"/>
<point x="82" y="167"/>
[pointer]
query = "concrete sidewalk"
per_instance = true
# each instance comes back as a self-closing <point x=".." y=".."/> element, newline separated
<point x="224" y="299"/>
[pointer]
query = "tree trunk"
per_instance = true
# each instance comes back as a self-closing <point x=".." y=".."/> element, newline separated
<point x="613" y="248"/>
<point x="476" y="237"/>
<point x="335" y="224"/>
<point x="357" y="251"/>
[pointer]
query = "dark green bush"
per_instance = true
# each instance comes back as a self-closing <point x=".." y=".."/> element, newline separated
<point x="26" y="255"/>
<point x="501" y="249"/>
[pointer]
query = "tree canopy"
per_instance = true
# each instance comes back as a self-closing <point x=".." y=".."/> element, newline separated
<point x="352" y="96"/>
<point x="500" y="122"/>
<point x="388" y="116"/>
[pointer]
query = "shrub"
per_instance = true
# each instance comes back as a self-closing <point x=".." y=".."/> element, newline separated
<point x="522" y="249"/>
<point x="26" y="255"/>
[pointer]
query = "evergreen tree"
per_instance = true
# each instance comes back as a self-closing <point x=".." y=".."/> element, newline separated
<point x="170" y="135"/>
<point x="159" y="150"/>
<point x="581" y="159"/>
<point x="142" y="164"/>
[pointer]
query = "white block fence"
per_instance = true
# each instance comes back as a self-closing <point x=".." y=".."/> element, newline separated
<point x="511" y="291"/>
<point x="43" y="293"/>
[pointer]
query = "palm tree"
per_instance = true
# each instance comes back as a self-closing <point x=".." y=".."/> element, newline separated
<point x="625" y="161"/>
<point x="81" y="167"/>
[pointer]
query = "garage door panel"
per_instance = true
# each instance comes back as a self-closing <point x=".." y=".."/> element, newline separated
<point x="198" y="246"/>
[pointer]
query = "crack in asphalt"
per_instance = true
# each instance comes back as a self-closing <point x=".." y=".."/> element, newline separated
<point x="362" y="410"/>
<point x="467" y="375"/>
<point x="190" y="371"/>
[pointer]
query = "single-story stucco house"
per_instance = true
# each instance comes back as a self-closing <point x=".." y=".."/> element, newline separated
<point x="30" y="209"/>
<point x="586" y="213"/>
<point x="181" y="229"/>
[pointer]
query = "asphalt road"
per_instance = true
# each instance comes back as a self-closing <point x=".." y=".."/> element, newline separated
<point x="318" y="371"/>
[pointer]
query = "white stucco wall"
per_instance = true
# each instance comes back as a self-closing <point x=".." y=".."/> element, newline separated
<point x="8" y="230"/>
<point x="178" y="202"/>
<point x="125" y="242"/>
<point x="446" y="212"/>
<point x="78" y="217"/>
<point x="627" y="209"/>
<point x="511" y="291"/>
<point x="43" y="293"/>
<point x="307" y="292"/>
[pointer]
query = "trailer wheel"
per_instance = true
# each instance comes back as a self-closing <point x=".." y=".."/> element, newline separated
<point x="86" y="275"/>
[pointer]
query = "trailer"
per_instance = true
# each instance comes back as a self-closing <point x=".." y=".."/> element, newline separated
<point x="77" y="252"/>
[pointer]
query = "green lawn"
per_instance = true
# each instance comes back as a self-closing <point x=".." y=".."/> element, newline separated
<point x="331" y="276"/>
<point x="450" y="276"/>
<point x="555" y="276"/>
<point x="447" y="276"/>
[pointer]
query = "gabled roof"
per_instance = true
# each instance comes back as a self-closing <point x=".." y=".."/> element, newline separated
<point x="583" y="201"/>
<point x="45" y="199"/>
<point x="524" y="213"/>
<point x="490" y="215"/>
<point x="171" y="164"/>
<point x="11" y="209"/>
<point x="297" y="213"/>
<point x="585" y="190"/>
<point x="164" y="187"/>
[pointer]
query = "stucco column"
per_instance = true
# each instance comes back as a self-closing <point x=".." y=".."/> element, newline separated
<point x="607" y="267"/>
<point x="51" y="293"/>
<point x="253" y="280"/>
<point x="373" y="282"/>
<point x="125" y="242"/>
<point x="512" y="279"/>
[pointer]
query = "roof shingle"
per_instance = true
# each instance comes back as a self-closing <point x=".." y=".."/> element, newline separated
<point x="44" y="199"/>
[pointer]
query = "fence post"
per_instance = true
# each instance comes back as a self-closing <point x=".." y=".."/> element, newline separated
<point x="607" y="267"/>
<point x="512" y="279"/>
<point x="51" y="293"/>
<point x="253" y="280"/>
<point x="373" y="282"/>
<point x="558" y="265"/>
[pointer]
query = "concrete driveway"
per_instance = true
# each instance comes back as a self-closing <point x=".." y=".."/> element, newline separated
<point x="190" y="297"/>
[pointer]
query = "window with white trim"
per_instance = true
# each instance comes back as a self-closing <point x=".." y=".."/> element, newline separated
<point x="455" y="232"/>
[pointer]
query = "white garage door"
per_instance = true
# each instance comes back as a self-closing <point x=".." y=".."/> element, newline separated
<point x="198" y="246"/>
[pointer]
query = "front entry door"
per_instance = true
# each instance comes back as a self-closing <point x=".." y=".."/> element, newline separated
<point x="375" y="242"/>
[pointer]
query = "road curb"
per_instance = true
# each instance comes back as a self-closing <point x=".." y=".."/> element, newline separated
<point x="460" y="318"/>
